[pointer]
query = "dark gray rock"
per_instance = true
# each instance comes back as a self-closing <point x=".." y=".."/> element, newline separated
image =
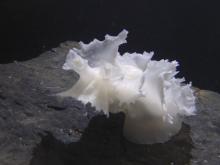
<point x="39" y="128"/>
<point x="205" y="129"/>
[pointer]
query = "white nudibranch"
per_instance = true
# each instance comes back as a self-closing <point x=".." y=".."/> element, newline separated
<point x="153" y="100"/>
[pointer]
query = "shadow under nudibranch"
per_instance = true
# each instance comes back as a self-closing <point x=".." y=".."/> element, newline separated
<point x="103" y="143"/>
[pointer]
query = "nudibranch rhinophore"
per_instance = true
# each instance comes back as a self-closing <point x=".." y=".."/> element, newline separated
<point x="153" y="99"/>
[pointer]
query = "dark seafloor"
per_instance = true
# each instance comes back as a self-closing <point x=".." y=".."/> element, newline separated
<point x="38" y="128"/>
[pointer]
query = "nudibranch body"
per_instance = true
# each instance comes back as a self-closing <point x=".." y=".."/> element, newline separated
<point x="153" y="100"/>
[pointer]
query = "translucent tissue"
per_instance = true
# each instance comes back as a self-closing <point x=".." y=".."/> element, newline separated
<point x="153" y="100"/>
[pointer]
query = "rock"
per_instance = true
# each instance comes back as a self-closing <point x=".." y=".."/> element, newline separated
<point x="39" y="128"/>
<point x="205" y="129"/>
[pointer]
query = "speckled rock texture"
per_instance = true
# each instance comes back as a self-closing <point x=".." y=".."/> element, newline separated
<point x="39" y="128"/>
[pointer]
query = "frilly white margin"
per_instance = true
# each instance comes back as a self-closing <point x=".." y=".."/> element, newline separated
<point x="146" y="90"/>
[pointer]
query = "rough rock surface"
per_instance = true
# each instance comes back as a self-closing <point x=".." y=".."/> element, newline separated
<point x="39" y="128"/>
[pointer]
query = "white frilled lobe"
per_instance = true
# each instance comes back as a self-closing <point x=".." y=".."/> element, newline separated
<point x="146" y="90"/>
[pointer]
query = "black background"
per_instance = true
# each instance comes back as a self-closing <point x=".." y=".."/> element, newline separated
<point x="187" y="31"/>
